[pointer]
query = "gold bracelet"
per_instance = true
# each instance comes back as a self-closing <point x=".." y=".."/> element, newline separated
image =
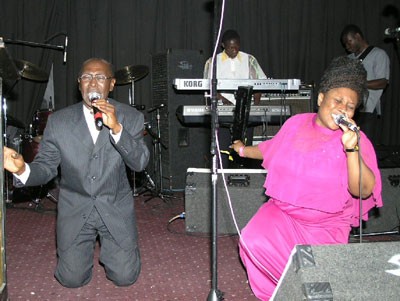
<point x="352" y="150"/>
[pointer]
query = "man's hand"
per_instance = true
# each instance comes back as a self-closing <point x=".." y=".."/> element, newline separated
<point x="13" y="161"/>
<point x="109" y="115"/>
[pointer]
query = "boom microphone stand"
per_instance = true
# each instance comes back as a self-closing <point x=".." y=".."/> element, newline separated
<point x="63" y="48"/>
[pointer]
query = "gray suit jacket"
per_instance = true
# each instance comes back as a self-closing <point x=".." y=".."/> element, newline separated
<point x="92" y="175"/>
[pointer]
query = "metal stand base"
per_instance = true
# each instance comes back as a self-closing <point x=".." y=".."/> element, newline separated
<point x="377" y="233"/>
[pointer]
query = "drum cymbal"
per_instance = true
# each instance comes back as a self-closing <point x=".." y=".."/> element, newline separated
<point x="8" y="70"/>
<point x="30" y="71"/>
<point x="130" y="73"/>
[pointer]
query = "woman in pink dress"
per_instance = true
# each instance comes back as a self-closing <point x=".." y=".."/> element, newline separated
<point x="313" y="179"/>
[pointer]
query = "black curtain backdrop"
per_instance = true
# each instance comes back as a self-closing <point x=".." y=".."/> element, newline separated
<point x="290" y="38"/>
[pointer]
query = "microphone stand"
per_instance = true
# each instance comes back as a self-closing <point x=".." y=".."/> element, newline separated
<point x="214" y="294"/>
<point x="42" y="45"/>
<point x="34" y="44"/>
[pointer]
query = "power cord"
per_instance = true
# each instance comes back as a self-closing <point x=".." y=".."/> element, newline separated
<point x="181" y="216"/>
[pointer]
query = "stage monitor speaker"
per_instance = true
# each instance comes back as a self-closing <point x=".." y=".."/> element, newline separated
<point x="386" y="218"/>
<point x="184" y="146"/>
<point x="388" y="156"/>
<point x="246" y="192"/>
<point x="367" y="271"/>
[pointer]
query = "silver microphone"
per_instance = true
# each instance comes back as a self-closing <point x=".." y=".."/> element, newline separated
<point x="94" y="96"/>
<point x="65" y="49"/>
<point x="98" y="116"/>
<point x="341" y="119"/>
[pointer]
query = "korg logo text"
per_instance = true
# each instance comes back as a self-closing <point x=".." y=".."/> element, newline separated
<point x="192" y="84"/>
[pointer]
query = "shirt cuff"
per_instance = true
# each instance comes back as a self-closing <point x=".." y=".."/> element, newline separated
<point x="116" y="137"/>
<point x="25" y="175"/>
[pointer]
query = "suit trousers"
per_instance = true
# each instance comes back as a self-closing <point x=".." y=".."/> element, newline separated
<point x="75" y="264"/>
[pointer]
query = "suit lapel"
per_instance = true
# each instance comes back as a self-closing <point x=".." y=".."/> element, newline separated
<point x="102" y="139"/>
<point x="81" y="129"/>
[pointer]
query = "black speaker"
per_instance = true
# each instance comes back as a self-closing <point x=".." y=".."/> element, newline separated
<point x="367" y="271"/>
<point x="387" y="218"/>
<point x="388" y="156"/>
<point x="183" y="146"/>
<point x="245" y="187"/>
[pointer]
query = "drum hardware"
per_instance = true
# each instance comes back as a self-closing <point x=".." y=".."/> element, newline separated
<point x="147" y="184"/>
<point x="128" y="75"/>
<point x="14" y="70"/>
<point x="63" y="48"/>
<point x="30" y="71"/>
<point x="39" y="122"/>
<point x="159" y="190"/>
<point x="35" y="194"/>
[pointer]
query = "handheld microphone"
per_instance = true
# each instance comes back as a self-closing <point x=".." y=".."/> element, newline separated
<point x="342" y="120"/>
<point x="392" y="32"/>
<point x="65" y="49"/>
<point x="98" y="116"/>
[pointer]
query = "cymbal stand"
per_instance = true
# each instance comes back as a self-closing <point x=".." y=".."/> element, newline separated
<point x="157" y="155"/>
<point x="132" y="104"/>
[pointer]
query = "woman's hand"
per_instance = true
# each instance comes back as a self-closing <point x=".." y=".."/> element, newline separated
<point x="237" y="144"/>
<point x="349" y="137"/>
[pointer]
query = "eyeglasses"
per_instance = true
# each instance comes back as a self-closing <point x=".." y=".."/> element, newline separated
<point x="100" y="78"/>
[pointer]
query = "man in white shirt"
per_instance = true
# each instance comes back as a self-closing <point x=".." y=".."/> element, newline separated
<point x="232" y="63"/>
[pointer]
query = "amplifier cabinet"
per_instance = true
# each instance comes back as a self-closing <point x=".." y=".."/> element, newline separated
<point x="386" y="218"/>
<point x="245" y="187"/>
<point x="298" y="103"/>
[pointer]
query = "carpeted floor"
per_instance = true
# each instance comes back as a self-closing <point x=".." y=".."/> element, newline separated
<point x="175" y="265"/>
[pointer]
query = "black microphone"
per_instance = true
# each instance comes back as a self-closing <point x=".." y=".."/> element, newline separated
<point x="98" y="116"/>
<point x="342" y="120"/>
<point x="65" y="49"/>
<point x="392" y="32"/>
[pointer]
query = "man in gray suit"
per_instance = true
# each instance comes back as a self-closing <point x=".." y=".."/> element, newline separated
<point x="95" y="198"/>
